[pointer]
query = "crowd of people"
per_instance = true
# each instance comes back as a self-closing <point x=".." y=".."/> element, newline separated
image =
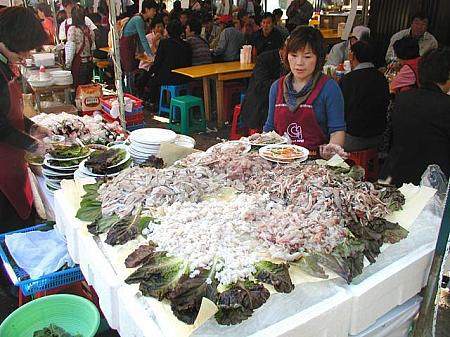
<point x="408" y="114"/>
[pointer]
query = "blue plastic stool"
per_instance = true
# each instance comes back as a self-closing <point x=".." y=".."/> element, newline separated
<point x="181" y="116"/>
<point x="173" y="91"/>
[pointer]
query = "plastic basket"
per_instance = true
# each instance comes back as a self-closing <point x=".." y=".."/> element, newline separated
<point x="107" y="101"/>
<point x="135" y="127"/>
<point x="29" y="286"/>
<point x="74" y="314"/>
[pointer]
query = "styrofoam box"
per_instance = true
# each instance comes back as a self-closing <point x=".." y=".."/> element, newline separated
<point x="327" y="318"/>
<point x="45" y="59"/>
<point x="396" y="323"/>
<point x="390" y="287"/>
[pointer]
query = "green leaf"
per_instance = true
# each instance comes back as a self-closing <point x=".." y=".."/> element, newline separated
<point x="357" y="173"/>
<point x="310" y="265"/>
<point x="53" y="331"/>
<point x="274" y="274"/>
<point x="238" y="302"/>
<point x="126" y="229"/>
<point x="103" y="224"/>
<point x="159" y="275"/>
<point x="186" y="298"/>
<point x="90" y="208"/>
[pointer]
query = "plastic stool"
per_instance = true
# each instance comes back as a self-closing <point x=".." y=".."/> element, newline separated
<point x="237" y="129"/>
<point x="99" y="70"/>
<point x="368" y="159"/>
<point x="231" y="96"/>
<point x="173" y="91"/>
<point x="186" y="122"/>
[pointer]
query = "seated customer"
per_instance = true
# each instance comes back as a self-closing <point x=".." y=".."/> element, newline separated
<point x="366" y="98"/>
<point x="421" y="123"/>
<point x="267" y="38"/>
<point x="211" y="31"/>
<point x="230" y="42"/>
<point x="407" y="51"/>
<point x="278" y="24"/>
<point x="269" y="67"/>
<point x="339" y="52"/>
<point x="172" y="53"/>
<point x="199" y="46"/>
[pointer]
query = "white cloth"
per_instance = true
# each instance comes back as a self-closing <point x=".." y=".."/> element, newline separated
<point x="62" y="27"/>
<point x="39" y="253"/>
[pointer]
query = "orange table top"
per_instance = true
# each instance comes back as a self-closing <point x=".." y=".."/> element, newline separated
<point x="214" y="69"/>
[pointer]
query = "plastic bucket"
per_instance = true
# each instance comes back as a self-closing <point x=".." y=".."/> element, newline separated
<point x="75" y="314"/>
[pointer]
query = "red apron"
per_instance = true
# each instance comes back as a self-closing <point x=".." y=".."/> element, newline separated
<point x="128" y="47"/>
<point x="76" y="62"/>
<point x="14" y="181"/>
<point x="301" y="125"/>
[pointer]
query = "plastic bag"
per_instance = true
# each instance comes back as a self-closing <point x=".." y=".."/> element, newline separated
<point x="434" y="177"/>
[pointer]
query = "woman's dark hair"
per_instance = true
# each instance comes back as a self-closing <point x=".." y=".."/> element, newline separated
<point x="177" y="5"/>
<point x="434" y="66"/>
<point x="303" y="36"/>
<point x="78" y="17"/>
<point x="21" y="30"/>
<point x="66" y="3"/>
<point x="44" y="8"/>
<point x="61" y="16"/>
<point x="406" y="48"/>
<point x="278" y="12"/>
<point x="174" y="29"/>
<point x="268" y="15"/>
<point x="195" y="26"/>
<point x="363" y="51"/>
<point x="156" y="21"/>
<point x="148" y="4"/>
<point x="241" y="14"/>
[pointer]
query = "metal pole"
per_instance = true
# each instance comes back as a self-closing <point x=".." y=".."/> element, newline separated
<point x="424" y="326"/>
<point x="55" y="22"/>
<point x="115" y="54"/>
<point x="365" y="12"/>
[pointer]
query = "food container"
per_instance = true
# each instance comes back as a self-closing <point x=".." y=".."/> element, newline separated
<point x="44" y="59"/>
<point x="185" y="141"/>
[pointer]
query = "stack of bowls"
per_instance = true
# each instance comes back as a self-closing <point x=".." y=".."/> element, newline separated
<point x="146" y="142"/>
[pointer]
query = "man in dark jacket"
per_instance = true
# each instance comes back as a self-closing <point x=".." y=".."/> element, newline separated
<point x="366" y="97"/>
<point x="421" y="123"/>
<point x="172" y="53"/>
<point x="269" y="67"/>
<point x="267" y="38"/>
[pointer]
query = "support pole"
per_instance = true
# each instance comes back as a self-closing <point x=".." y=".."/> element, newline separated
<point x="55" y="22"/>
<point x="115" y="54"/>
<point x="424" y="326"/>
<point x="365" y="12"/>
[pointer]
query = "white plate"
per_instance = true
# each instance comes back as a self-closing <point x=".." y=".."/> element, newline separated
<point x="185" y="141"/>
<point x="152" y="136"/>
<point x="143" y="153"/>
<point x="220" y="147"/>
<point x="127" y="156"/>
<point x="50" y="174"/>
<point x="41" y="84"/>
<point x="245" y="139"/>
<point x="60" y="168"/>
<point x="63" y="81"/>
<point x="282" y="160"/>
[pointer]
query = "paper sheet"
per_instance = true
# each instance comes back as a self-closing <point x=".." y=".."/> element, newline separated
<point x="416" y="199"/>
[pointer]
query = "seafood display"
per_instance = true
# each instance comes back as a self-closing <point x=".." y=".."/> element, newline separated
<point x="268" y="138"/>
<point x="90" y="130"/>
<point x="222" y="223"/>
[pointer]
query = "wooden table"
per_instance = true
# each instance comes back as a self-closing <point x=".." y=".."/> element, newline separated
<point x="219" y="72"/>
<point x="105" y="49"/>
<point x="331" y="36"/>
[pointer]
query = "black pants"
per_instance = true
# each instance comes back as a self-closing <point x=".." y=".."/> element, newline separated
<point x="10" y="220"/>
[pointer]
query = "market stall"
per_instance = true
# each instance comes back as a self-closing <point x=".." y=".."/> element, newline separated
<point x="314" y="306"/>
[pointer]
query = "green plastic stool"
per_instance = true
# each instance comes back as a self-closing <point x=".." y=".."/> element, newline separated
<point x="185" y="121"/>
<point x="99" y="70"/>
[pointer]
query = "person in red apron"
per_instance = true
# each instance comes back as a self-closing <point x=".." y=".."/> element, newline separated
<point x="17" y="133"/>
<point x="306" y="105"/>
<point x="79" y="49"/>
<point x="133" y="31"/>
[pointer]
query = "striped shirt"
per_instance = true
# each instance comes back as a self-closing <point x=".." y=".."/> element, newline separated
<point x="200" y="50"/>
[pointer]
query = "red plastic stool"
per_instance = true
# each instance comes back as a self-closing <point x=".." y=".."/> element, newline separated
<point x="237" y="131"/>
<point x="368" y="159"/>
<point x="231" y="97"/>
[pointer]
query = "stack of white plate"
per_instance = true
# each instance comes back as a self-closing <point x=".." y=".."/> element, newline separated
<point x="85" y="172"/>
<point x="55" y="170"/>
<point x="62" y="77"/>
<point x="146" y="142"/>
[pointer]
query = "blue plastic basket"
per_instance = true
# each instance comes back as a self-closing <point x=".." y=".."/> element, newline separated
<point x="30" y="286"/>
<point x="135" y="127"/>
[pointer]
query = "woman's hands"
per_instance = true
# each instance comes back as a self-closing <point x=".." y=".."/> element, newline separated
<point x="11" y="56"/>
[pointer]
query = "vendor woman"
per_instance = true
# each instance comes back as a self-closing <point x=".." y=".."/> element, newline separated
<point x="79" y="48"/>
<point x="135" y="29"/>
<point x="305" y="104"/>
<point x="20" y="32"/>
